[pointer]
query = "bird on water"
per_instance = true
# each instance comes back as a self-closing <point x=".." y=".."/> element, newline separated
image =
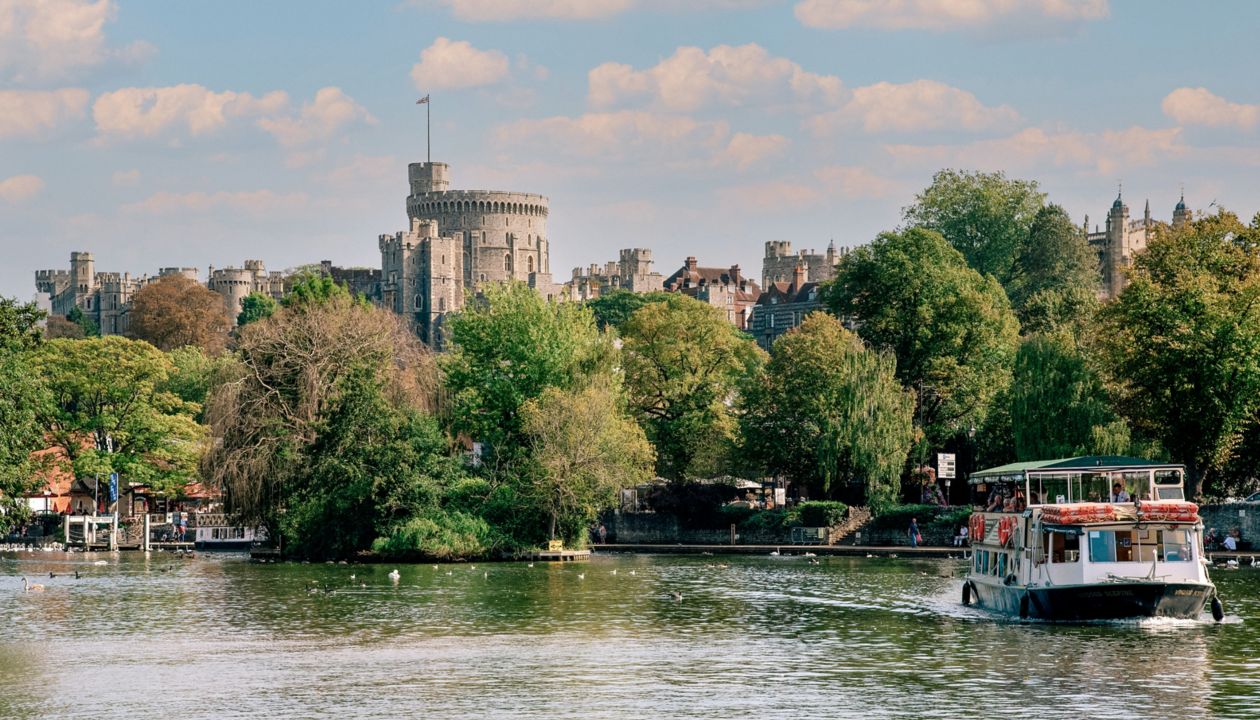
<point x="394" y="575"/>
<point x="31" y="587"/>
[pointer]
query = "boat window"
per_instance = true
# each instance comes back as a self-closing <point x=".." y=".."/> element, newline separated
<point x="1091" y="487"/>
<point x="1051" y="488"/>
<point x="1171" y="493"/>
<point x="1064" y="547"/>
<point x="1167" y="477"/>
<point x="1112" y="546"/>
<point x="1174" y="545"/>
<point x="1001" y="565"/>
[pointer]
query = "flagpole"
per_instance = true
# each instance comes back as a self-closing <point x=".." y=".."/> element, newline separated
<point x="428" y="141"/>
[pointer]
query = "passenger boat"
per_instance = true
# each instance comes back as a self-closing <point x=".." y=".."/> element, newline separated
<point x="215" y="531"/>
<point x="1087" y="538"/>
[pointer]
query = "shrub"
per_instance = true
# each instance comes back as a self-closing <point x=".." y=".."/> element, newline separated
<point x="771" y="522"/>
<point x="436" y="536"/>
<point x="824" y="513"/>
<point x="952" y="518"/>
<point x="898" y="516"/>
<point x="735" y="514"/>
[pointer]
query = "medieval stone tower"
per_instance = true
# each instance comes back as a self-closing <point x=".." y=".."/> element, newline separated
<point x="780" y="263"/>
<point x="457" y="241"/>
<point x="1123" y="239"/>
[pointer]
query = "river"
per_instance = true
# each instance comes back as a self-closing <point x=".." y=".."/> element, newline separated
<point x="219" y="637"/>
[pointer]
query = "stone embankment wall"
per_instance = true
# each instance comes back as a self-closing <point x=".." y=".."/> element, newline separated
<point x="870" y="535"/>
<point x="664" y="529"/>
<point x="1227" y="516"/>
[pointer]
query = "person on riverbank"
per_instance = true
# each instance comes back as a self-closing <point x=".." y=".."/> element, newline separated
<point x="913" y="532"/>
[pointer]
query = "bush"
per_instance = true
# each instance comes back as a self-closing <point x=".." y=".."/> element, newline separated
<point x="898" y="517"/>
<point x="771" y="522"/>
<point x="735" y="514"/>
<point x="437" y="536"/>
<point x="696" y="505"/>
<point x="824" y="513"/>
<point x="952" y="518"/>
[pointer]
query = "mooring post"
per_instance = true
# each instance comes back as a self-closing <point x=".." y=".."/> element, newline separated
<point x="144" y="540"/>
<point x="65" y="529"/>
<point x="113" y="533"/>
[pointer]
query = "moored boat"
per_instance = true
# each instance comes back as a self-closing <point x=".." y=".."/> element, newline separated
<point x="1088" y="538"/>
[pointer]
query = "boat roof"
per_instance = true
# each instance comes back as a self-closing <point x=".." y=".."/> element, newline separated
<point x="1081" y="463"/>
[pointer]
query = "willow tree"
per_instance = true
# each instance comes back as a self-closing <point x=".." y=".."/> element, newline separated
<point x="1181" y="343"/>
<point x="827" y="411"/>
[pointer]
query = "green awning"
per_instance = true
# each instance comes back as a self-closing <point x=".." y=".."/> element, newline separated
<point x="1082" y="463"/>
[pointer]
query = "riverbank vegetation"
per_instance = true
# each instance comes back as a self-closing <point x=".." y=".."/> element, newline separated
<point x="975" y="328"/>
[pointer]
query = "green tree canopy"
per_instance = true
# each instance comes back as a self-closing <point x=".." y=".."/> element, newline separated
<point x="984" y="216"/>
<point x="256" y="306"/>
<point x="109" y="411"/>
<point x="951" y="330"/>
<point x="585" y="449"/>
<point x="21" y="395"/>
<point x="614" y="308"/>
<point x="317" y="290"/>
<point x="77" y="316"/>
<point x="1182" y="341"/>
<point x="506" y="349"/>
<point x="827" y="411"/>
<point x="1058" y="405"/>
<point x="683" y="362"/>
<point x="1056" y="278"/>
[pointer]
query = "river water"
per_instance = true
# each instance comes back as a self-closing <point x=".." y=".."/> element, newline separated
<point x="219" y="637"/>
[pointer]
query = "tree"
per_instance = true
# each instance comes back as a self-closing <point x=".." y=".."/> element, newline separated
<point x="506" y="349"/>
<point x="951" y="330"/>
<point x="683" y="362"/>
<point x="21" y="394"/>
<point x="88" y="325"/>
<point x="256" y="306"/>
<point x="1055" y="280"/>
<point x="585" y="449"/>
<point x="1058" y="405"/>
<point x="1181" y="343"/>
<point x="293" y="372"/>
<point x="108" y="411"/>
<point x="614" y="308"/>
<point x="318" y="289"/>
<point x="827" y="411"/>
<point x="59" y="327"/>
<point x="194" y="373"/>
<point x="984" y="216"/>
<point x="177" y="311"/>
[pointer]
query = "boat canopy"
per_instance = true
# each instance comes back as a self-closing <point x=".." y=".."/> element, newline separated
<point x="1017" y="472"/>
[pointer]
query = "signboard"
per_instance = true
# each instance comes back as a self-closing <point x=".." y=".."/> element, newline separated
<point x="555" y="545"/>
<point x="945" y="467"/>
<point x="780" y="497"/>
<point x="113" y="487"/>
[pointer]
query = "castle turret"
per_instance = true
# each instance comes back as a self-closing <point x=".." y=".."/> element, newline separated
<point x="82" y="271"/>
<point x="428" y="177"/>
<point x="1180" y="214"/>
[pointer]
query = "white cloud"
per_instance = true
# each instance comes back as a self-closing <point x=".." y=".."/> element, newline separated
<point x="20" y="188"/>
<point x="1034" y="149"/>
<point x="49" y="39"/>
<point x="155" y="111"/>
<point x="915" y="106"/>
<point x="319" y="120"/>
<point x="746" y="149"/>
<point x="509" y="10"/>
<point x="939" y="15"/>
<point x="448" y="64"/>
<point x="257" y="202"/>
<point x="1199" y="106"/>
<point x="725" y="75"/>
<point x="125" y="178"/>
<point x="29" y="113"/>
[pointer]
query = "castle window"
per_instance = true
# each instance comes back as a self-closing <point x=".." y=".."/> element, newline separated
<point x="507" y="262"/>
<point x="419" y="303"/>
<point x="531" y="264"/>
<point x="441" y="304"/>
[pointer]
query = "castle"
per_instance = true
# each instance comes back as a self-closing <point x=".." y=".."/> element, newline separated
<point x="631" y="271"/>
<point x="457" y="241"/>
<point x="1123" y="239"/>
<point x="104" y="297"/>
<point x="779" y="264"/>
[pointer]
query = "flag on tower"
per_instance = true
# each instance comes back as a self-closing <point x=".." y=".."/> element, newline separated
<point x="423" y="101"/>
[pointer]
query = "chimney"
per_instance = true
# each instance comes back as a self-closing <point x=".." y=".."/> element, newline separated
<point x="798" y="278"/>
<point x="735" y="274"/>
<point x="691" y="263"/>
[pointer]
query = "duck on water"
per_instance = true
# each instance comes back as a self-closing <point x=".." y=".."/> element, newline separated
<point x="1087" y="538"/>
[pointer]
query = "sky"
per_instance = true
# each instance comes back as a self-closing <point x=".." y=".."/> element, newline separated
<point x="161" y="134"/>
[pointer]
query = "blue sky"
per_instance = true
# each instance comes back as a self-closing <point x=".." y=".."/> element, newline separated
<point x="162" y="134"/>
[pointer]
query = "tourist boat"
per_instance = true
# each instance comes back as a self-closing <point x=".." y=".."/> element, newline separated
<point x="215" y="531"/>
<point x="1067" y="545"/>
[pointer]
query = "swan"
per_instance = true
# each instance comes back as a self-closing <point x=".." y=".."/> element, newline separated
<point x="29" y="587"/>
<point x="393" y="575"/>
<point x="530" y="565"/>
<point x="632" y="572"/>
<point x="675" y="596"/>
<point x="614" y="572"/>
<point x="581" y="576"/>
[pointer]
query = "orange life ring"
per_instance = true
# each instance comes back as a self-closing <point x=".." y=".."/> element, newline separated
<point x="977" y="527"/>
<point x="1006" y="529"/>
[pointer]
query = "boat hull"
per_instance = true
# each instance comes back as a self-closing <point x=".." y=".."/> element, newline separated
<point x="1110" y="601"/>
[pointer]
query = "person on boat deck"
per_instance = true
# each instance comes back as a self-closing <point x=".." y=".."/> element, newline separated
<point x="1118" y="495"/>
<point x="1020" y="502"/>
<point x="995" y="501"/>
<point x="1034" y="498"/>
